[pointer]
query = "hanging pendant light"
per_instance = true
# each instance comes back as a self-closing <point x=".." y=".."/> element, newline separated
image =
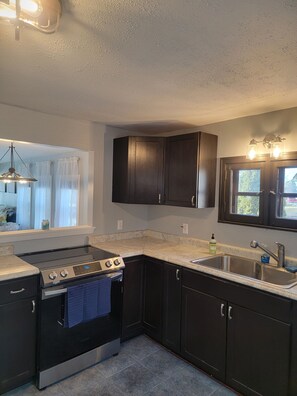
<point x="43" y="15"/>
<point x="11" y="175"/>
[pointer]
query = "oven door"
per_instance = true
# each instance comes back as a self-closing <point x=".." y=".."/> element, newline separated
<point x="57" y="344"/>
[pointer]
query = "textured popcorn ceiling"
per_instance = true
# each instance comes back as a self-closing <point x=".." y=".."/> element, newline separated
<point x="168" y="62"/>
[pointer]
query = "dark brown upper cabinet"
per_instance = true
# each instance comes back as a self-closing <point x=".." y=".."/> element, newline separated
<point x="189" y="162"/>
<point x="138" y="170"/>
<point x="190" y="170"/>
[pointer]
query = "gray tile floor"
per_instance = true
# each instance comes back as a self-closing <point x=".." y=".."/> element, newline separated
<point x="142" y="367"/>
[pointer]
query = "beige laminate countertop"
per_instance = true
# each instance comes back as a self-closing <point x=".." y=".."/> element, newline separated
<point x="182" y="254"/>
<point x="12" y="267"/>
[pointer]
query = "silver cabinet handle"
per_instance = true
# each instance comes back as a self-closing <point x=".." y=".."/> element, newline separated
<point x="17" y="291"/>
<point x="177" y="274"/>
<point x="159" y="198"/>
<point x="193" y="200"/>
<point x="222" y="310"/>
<point x="229" y="312"/>
<point x="272" y="192"/>
<point x="33" y="306"/>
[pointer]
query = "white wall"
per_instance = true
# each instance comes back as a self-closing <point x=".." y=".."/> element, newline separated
<point x="234" y="137"/>
<point x="30" y="126"/>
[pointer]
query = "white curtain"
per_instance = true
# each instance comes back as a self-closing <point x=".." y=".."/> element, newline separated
<point x="66" y="192"/>
<point x="42" y="192"/>
<point x="23" y="211"/>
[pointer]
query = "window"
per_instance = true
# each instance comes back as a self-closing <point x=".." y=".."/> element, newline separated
<point x="261" y="193"/>
<point x="61" y="195"/>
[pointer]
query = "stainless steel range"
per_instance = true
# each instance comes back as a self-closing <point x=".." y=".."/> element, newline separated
<point x="80" y="309"/>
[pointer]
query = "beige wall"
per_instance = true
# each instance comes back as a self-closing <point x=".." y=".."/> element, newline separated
<point x="234" y="137"/>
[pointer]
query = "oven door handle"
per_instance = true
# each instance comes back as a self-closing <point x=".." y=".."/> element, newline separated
<point x="117" y="276"/>
<point x="53" y="293"/>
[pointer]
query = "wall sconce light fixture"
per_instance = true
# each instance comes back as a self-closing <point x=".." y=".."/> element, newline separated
<point x="11" y="175"/>
<point x="43" y="15"/>
<point x="273" y="143"/>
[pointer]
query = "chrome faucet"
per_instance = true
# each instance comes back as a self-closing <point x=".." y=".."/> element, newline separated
<point x="279" y="258"/>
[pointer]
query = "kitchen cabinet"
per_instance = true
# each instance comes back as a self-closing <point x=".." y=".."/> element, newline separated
<point x="138" y="170"/>
<point x="171" y="306"/>
<point x="178" y="170"/>
<point x="239" y="335"/>
<point x="153" y="298"/>
<point x="17" y="332"/>
<point x="190" y="170"/>
<point x="132" y="298"/>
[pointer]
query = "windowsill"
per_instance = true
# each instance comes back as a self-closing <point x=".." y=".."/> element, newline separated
<point x="25" y="235"/>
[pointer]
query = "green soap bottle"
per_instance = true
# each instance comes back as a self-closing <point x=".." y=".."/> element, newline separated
<point x="212" y="245"/>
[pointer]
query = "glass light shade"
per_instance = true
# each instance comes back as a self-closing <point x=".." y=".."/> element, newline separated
<point x="43" y="15"/>
<point x="252" y="150"/>
<point x="277" y="149"/>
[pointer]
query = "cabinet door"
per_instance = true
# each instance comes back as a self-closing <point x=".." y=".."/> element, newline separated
<point x="17" y="343"/>
<point x="148" y="178"/>
<point x="190" y="170"/>
<point x="132" y="298"/>
<point x="181" y="170"/>
<point x="203" y="331"/>
<point x="172" y="307"/>
<point x="153" y="298"/>
<point x="258" y="352"/>
<point x="138" y="170"/>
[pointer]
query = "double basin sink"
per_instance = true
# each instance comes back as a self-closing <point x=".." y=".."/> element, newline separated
<point x="251" y="269"/>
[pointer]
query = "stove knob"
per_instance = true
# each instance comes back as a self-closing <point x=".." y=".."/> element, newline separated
<point x="53" y="275"/>
<point x="108" y="263"/>
<point x="117" y="262"/>
<point x="64" y="273"/>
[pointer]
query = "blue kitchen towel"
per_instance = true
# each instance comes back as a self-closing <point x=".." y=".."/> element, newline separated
<point x="97" y="299"/>
<point x="74" y="306"/>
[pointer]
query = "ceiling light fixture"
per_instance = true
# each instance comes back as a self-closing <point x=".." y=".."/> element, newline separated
<point x="11" y="175"/>
<point x="272" y="142"/>
<point x="43" y="15"/>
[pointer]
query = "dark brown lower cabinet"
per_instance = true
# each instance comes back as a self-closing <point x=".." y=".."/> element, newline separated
<point x="204" y="331"/>
<point x="240" y="345"/>
<point x="153" y="298"/>
<point x="17" y="343"/>
<point x="132" y="298"/>
<point x="258" y="353"/>
<point x="172" y="307"/>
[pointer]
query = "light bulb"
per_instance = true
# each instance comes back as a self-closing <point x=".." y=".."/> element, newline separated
<point x="252" y="150"/>
<point x="276" y="151"/>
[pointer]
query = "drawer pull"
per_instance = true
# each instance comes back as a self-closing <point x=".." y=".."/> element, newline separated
<point x="33" y="306"/>
<point x="177" y="275"/>
<point x="17" y="291"/>
<point x="229" y="312"/>
<point x="193" y="200"/>
<point x="222" y="310"/>
<point x="159" y="198"/>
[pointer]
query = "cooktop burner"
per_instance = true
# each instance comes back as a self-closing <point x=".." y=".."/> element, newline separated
<point x="60" y="265"/>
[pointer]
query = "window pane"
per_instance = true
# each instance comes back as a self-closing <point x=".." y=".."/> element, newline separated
<point x="249" y="180"/>
<point x="288" y="208"/>
<point x="290" y="176"/>
<point x="246" y="206"/>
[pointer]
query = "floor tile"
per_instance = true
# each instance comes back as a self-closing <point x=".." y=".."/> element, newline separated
<point x="223" y="391"/>
<point x="140" y="347"/>
<point x="163" y="364"/>
<point x="165" y="389"/>
<point x="116" y="364"/>
<point x="135" y="380"/>
<point x="191" y="381"/>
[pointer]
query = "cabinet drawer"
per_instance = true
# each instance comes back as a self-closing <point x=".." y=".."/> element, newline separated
<point x="18" y="289"/>
<point x="245" y="296"/>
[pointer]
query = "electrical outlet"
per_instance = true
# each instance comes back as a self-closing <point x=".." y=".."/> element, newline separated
<point x="185" y="228"/>
<point x="120" y="225"/>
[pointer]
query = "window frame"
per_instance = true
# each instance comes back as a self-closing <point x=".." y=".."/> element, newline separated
<point x="269" y="186"/>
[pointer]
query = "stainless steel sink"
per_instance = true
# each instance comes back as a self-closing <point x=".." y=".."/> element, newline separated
<point x="250" y="268"/>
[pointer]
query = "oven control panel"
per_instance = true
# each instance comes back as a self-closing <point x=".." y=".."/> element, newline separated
<point x="55" y="276"/>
